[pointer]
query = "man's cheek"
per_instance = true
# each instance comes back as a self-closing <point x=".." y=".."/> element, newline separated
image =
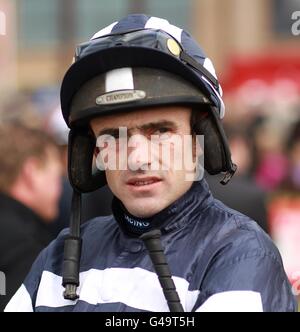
<point x="107" y="158"/>
<point x="171" y="153"/>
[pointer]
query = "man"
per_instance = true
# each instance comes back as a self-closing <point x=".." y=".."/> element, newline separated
<point x="30" y="174"/>
<point x="242" y="193"/>
<point x="140" y="90"/>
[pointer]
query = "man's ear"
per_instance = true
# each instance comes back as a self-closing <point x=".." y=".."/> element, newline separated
<point x="29" y="170"/>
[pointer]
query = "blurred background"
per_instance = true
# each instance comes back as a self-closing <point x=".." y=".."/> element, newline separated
<point x="255" y="47"/>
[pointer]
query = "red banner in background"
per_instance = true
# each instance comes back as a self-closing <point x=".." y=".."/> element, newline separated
<point x="267" y="68"/>
<point x="264" y="79"/>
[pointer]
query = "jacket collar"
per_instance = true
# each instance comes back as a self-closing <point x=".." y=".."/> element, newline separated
<point x="172" y="217"/>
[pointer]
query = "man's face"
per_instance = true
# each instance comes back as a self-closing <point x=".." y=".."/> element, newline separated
<point x="149" y="156"/>
<point x="47" y="185"/>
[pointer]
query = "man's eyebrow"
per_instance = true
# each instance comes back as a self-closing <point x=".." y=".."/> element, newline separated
<point x="158" y="124"/>
<point x="151" y="125"/>
<point x="109" y="131"/>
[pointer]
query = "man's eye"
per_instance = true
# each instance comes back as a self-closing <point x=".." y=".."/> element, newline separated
<point x="115" y="135"/>
<point x="161" y="134"/>
<point x="161" y="130"/>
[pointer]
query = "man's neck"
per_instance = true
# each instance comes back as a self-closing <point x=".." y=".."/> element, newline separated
<point x="173" y="214"/>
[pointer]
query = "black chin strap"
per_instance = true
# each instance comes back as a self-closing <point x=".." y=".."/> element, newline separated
<point x="153" y="244"/>
<point x="72" y="251"/>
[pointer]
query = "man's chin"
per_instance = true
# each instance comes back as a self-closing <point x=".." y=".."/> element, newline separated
<point x="145" y="209"/>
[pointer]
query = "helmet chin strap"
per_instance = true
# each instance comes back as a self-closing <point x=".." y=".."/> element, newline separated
<point x="153" y="243"/>
<point x="72" y="251"/>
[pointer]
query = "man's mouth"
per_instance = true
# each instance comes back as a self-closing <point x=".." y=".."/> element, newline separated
<point x="139" y="182"/>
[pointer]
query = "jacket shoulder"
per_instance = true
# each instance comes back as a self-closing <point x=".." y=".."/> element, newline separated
<point x="242" y="257"/>
<point x="241" y="230"/>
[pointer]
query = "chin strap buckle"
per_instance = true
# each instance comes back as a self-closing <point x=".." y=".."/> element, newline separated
<point x="70" y="292"/>
<point x="229" y="174"/>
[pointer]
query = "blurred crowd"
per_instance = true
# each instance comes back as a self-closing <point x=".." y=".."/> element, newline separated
<point x="36" y="195"/>
<point x="265" y="142"/>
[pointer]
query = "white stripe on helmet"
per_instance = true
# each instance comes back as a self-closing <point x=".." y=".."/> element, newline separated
<point x="159" y="23"/>
<point x="222" y="106"/>
<point x="210" y="67"/>
<point x="207" y="64"/>
<point x="119" y="79"/>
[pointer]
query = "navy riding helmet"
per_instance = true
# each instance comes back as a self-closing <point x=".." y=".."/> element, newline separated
<point x="156" y="63"/>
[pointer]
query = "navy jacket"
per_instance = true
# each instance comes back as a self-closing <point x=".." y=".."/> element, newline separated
<point x="220" y="260"/>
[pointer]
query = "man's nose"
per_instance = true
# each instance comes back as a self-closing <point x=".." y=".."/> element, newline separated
<point x="138" y="153"/>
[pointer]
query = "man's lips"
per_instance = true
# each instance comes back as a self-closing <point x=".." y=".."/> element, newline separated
<point x="143" y="181"/>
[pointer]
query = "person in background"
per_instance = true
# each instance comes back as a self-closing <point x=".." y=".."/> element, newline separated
<point x="292" y="179"/>
<point x="272" y="163"/>
<point x="30" y="187"/>
<point x="284" y="210"/>
<point x="241" y="193"/>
